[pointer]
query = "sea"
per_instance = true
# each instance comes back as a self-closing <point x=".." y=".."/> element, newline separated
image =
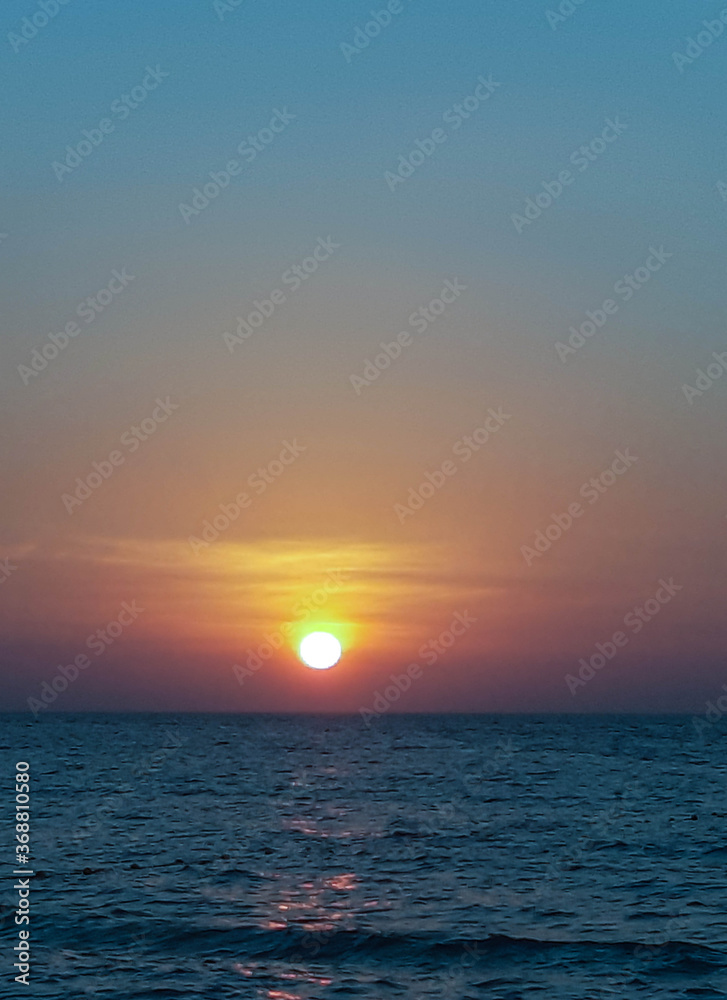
<point x="424" y="857"/>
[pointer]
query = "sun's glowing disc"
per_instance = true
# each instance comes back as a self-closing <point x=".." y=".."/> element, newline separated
<point x="320" y="650"/>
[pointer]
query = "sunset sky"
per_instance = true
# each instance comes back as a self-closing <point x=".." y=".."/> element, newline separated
<point x="322" y="134"/>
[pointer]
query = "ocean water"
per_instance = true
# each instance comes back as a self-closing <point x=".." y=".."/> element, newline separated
<point x="426" y="857"/>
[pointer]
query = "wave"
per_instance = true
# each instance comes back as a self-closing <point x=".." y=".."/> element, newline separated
<point x="297" y="943"/>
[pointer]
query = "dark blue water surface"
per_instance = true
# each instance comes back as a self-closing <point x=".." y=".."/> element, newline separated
<point x="427" y="857"/>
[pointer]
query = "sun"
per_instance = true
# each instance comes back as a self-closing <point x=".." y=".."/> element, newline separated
<point x="320" y="650"/>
